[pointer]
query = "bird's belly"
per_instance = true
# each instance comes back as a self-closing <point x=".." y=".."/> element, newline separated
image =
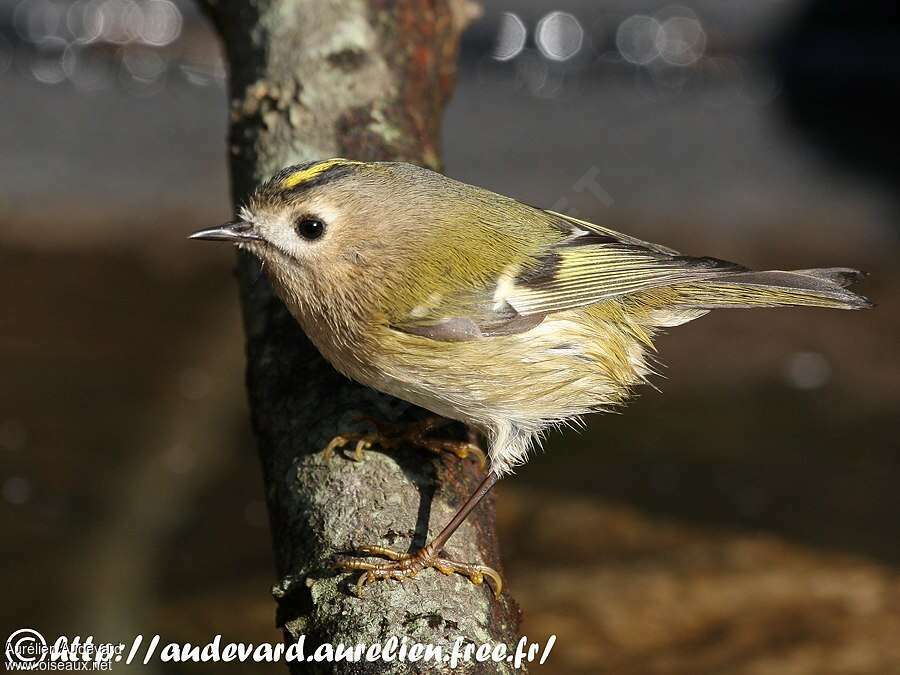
<point x="559" y="370"/>
<point x="567" y="366"/>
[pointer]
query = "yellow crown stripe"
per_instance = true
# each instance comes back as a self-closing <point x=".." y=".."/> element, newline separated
<point x="305" y="175"/>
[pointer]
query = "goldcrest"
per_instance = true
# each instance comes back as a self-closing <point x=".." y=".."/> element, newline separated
<point x="480" y="308"/>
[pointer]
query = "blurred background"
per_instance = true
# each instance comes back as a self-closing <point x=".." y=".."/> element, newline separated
<point x="746" y="521"/>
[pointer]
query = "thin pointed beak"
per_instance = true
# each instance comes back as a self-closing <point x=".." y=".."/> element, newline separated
<point x="236" y="231"/>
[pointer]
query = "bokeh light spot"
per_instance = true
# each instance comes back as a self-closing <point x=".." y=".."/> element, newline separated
<point x="637" y="39"/>
<point x="559" y="36"/>
<point x="511" y="37"/>
<point x="808" y="370"/>
<point x="681" y="41"/>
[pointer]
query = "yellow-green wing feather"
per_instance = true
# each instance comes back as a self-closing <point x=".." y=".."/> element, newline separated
<point x="574" y="275"/>
<point x="586" y="264"/>
<point x="597" y="264"/>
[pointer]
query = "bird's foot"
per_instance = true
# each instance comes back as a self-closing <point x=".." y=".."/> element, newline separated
<point x="403" y="566"/>
<point x="391" y="436"/>
<point x="361" y="442"/>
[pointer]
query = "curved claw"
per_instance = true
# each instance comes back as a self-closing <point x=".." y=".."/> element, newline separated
<point x="462" y="449"/>
<point x="475" y="573"/>
<point x="362" y="443"/>
<point x="492" y="574"/>
<point x="359" y="587"/>
<point x="335" y="443"/>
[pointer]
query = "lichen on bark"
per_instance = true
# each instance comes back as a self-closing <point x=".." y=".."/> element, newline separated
<point x="365" y="79"/>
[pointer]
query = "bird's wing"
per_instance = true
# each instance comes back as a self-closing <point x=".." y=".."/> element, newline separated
<point x="596" y="263"/>
<point x="587" y="265"/>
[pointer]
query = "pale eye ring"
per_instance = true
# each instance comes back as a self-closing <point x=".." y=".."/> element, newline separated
<point x="310" y="228"/>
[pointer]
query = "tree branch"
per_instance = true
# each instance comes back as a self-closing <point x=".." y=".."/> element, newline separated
<point x="365" y="79"/>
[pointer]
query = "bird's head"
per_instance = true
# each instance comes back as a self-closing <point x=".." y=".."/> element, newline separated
<point x="325" y="229"/>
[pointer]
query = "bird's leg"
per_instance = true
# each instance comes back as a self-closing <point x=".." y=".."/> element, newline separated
<point x="402" y="566"/>
<point x="390" y="436"/>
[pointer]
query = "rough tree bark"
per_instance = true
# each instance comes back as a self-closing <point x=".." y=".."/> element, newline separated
<point x="364" y="79"/>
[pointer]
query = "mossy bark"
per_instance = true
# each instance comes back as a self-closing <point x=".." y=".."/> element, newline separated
<point x="365" y="79"/>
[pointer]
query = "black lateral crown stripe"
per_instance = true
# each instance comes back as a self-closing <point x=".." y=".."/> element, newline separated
<point x="320" y="179"/>
<point x="273" y="187"/>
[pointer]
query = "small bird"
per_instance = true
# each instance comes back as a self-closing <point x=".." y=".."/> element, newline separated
<point x="482" y="309"/>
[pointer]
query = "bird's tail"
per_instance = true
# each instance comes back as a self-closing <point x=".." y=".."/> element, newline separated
<point x="813" y="288"/>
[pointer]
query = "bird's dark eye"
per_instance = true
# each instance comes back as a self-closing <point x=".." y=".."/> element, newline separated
<point x="310" y="228"/>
